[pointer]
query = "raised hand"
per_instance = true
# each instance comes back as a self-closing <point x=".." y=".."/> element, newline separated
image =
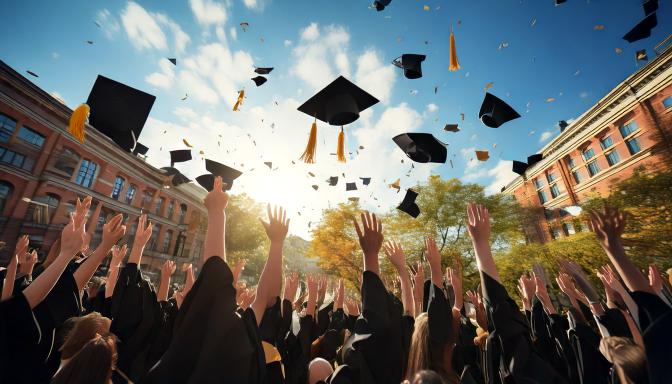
<point x="216" y="200"/>
<point x="395" y="254"/>
<point x="581" y="280"/>
<point x="454" y="278"/>
<point x="277" y="225"/>
<point x="542" y="293"/>
<point x="240" y="266"/>
<point x="72" y="237"/>
<point x="526" y="290"/>
<point x="321" y="289"/>
<point x="352" y="307"/>
<point x="21" y="246"/>
<point x="339" y="295"/>
<point x="370" y="240"/>
<point x="477" y="301"/>
<point x="29" y="260"/>
<point x="10" y="276"/>
<point x="189" y="280"/>
<point x="608" y="225"/>
<point x="655" y="281"/>
<point x="168" y="268"/>
<point x="434" y="260"/>
<point x="113" y="230"/>
<point x="478" y="226"/>
<point x="419" y="287"/>
<point x="91" y="224"/>
<point x="311" y="282"/>
<point x="142" y="235"/>
<point x="118" y="254"/>
<point x="567" y="287"/>
<point x="246" y="298"/>
<point x="291" y="285"/>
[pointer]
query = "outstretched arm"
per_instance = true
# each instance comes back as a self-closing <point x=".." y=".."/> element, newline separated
<point x="478" y="225"/>
<point x="434" y="260"/>
<point x="142" y="235"/>
<point x="370" y="239"/>
<point x="166" y="272"/>
<point x="113" y="271"/>
<point x="215" y="202"/>
<point x="396" y="255"/>
<point x="10" y="275"/>
<point x="113" y="230"/>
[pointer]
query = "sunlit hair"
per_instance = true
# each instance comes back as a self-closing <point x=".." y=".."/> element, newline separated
<point x="628" y="358"/>
<point x="426" y="377"/>
<point x="419" y="355"/>
<point x="85" y="329"/>
<point x="93" y="364"/>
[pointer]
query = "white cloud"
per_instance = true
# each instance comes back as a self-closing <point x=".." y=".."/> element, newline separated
<point x="208" y="12"/>
<point x="55" y="55"/>
<point x="197" y="87"/>
<point x="142" y="29"/>
<point x="501" y="175"/>
<point x="181" y="39"/>
<point x="583" y="94"/>
<point x="108" y="23"/>
<point x="545" y="136"/>
<point x="374" y="76"/>
<point x="233" y="32"/>
<point x="255" y="5"/>
<point x="431" y="107"/>
<point x="471" y="168"/>
<point x="310" y="33"/>
<point x="164" y="78"/>
<point x="287" y="43"/>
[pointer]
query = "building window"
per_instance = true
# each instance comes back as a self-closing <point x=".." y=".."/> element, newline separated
<point x="6" y="190"/>
<point x="555" y="191"/>
<point x="612" y="158"/>
<point x="183" y="213"/>
<point x="628" y="129"/>
<point x="87" y="173"/>
<point x="568" y="228"/>
<point x="118" y="186"/>
<point x="31" y="137"/>
<point x="593" y="168"/>
<point x="159" y="205"/>
<point x="171" y="208"/>
<point x="15" y="159"/>
<point x="548" y="214"/>
<point x="542" y="197"/>
<point x="555" y="233"/>
<point x="7" y="125"/>
<point x="151" y="244"/>
<point x="130" y="193"/>
<point x="578" y="176"/>
<point x="667" y="102"/>
<point x="588" y="154"/>
<point x="167" y="239"/>
<point x="43" y="211"/>
<point x="571" y="162"/>
<point x="198" y="245"/>
<point x="147" y="199"/>
<point x="551" y="177"/>
<point x="606" y="142"/>
<point x="633" y="146"/>
<point x="538" y="183"/>
<point x="67" y="161"/>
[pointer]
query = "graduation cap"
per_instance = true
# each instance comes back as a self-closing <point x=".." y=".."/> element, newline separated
<point x="117" y="110"/>
<point x="366" y="180"/>
<point x="339" y="103"/>
<point x="350" y="186"/>
<point x="32" y="73"/>
<point x="381" y="4"/>
<point x="482" y="155"/>
<point x="641" y="55"/>
<point x="259" y="80"/>
<point x="422" y="147"/>
<point x="495" y="112"/>
<point x="140" y="149"/>
<point x="562" y="124"/>
<point x="262" y="71"/>
<point x="172" y="60"/>
<point x="642" y="30"/>
<point x="333" y="180"/>
<point x="411" y="64"/>
<point x="650" y="6"/>
<point x="408" y="205"/>
<point x="558" y="2"/>
<point x="519" y="167"/>
<point x="533" y="159"/>
<point x="315" y="187"/>
<point x="269" y="164"/>
<point x="451" y="128"/>
<point x="228" y="175"/>
<point x="179" y="156"/>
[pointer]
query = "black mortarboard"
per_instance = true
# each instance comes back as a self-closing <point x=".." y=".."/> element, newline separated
<point x="172" y="60"/>
<point x="333" y="180"/>
<point x="32" y="73"/>
<point x="339" y="103"/>
<point x="365" y="180"/>
<point x="315" y="187"/>
<point x="180" y="156"/>
<point x="650" y="6"/>
<point x="269" y="164"/>
<point x="451" y="128"/>
<point x="117" y="110"/>
<point x="408" y="205"/>
<point x="411" y="64"/>
<point x="259" y="80"/>
<point x="562" y="124"/>
<point x="140" y="149"/>
<point x="642" y="30"/>
<point x="495" y="112"/>
<point x="179" y="179"/>
<point x="381" y="4"/>
<point x="228" y="175"/>
<point x="262" y="71"/>
<point x="350" y="186"/>
<point x="519" y="167"/>
<point x="558" y="2"/>
<point x="533" y="159"/>
<point x="641" y="55"/>
<point x="422" y="147"/>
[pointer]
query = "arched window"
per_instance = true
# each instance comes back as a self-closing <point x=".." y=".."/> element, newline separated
<point x="87" y="173"/>
<point x="183" y="213"/>
<point x="66" y="161"/>
<point x="6" y="190"/>
<point x="130" y="193"/>
<point x="167" y="239"/>
<point x="118" y="186"/>
<point x="151" y="244"/>
<point x="41" y="210"/>
<point x="159" y="205"/>
<point x="171" y="208"/>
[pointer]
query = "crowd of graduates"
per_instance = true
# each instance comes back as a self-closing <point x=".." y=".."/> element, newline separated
<point x="62" y="323"/>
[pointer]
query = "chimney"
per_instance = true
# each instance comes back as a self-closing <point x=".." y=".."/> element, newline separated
<point x="562" y="124"/>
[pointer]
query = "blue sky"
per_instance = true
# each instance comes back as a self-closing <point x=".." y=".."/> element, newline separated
<point x="309" y="43"/>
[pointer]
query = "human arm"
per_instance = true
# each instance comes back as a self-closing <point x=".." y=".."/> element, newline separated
<point x="526" y="288"/>
<point x="418" y="288"/>
<point x="142" y="235"/>
<point x="10" y="275"/>
<point x="434" y="260"/>
<point x="113" y="270"/>
<point x="656" y="283"/>
<point x="370" y="240"/>
<point x="478" y="226"/>
<point x="311" y="282"/>
<point x="339" y="296"/>
<point x="584" y="285"/>
<point x="113" y="230"/>
<point x="215" y="202"/>
<point x="608" y="276"/>
<point x="454" y="278"/>
<point x="477" y="300"/>
<point x="541" y="291"/>
<point x="167" y="271"/>
<point x="396" y="255"/>
<point x="567" y="287"/>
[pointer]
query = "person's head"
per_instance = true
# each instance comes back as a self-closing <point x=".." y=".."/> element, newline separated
<point x="628" y="358"/>
<point x="85" y="329"/>
<point x="93" y="364"/>
<point x="418" y="353"/>
<point x="318" y="370"/>
<point x="426" y="377"/>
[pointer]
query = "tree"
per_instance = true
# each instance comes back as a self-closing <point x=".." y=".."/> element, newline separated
<point x="245" y="236"/>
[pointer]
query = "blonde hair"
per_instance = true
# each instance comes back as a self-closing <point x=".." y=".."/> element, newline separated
<point x="92" y="364"/>
<point x="628" y="358"/>
<point x="418" y="353"/>
<point x="85" y="329"/>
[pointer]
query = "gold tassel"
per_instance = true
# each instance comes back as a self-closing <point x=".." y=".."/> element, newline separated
<point x="78" y="121"/>
<point x="308" y="156"/>
<point x="239" y="102"/>
<point x="454" y="64"/>
<point x="340" y="150"/>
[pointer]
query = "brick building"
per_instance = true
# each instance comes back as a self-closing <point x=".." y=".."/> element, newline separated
<point x="628" y="128"/>
<point x="43" y="169"/>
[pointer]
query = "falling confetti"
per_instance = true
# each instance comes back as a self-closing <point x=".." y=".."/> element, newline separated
<point x="185" y="97"/>
<point x="425" y="7"/>
<point x="503" y="45"/>
<point x="244" y="25"/>
<point x="578" y="72"/>
<point x="488" y="86"/>
<point x="187" y="143"/>
<point x="618" y="51"/>
<point x="533" y="22"/>
<point x="550" y="99"/>
<point x="598" y="27"/>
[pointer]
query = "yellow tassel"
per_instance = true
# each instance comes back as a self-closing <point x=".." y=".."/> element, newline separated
<point x="78" y="121"/>
<point x="239" y="102"/>
<point x="340" y="150"/>
<point x="454" y="64"/>
<point x="308" y="156"/>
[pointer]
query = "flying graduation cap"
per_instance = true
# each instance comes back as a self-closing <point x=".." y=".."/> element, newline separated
<point x="451" y="128"/>
<point x="482" y="155"/>
<point x="350" y="186"/>
<point x="641" y="55"/>
<point x="422" y="147"/>
<point x="263" y="71"/>
<point x="333" y="180"/>
<point x="176" y="177"/>
<point x="558" y="2"/>
<point x="365" y="180"/>
<point x="520" y="167"/>
<point x="642" y="30"/>
<point x="650" y="6"/>
<point x="259" y="80"/>
<point x="227" y="173"/>
<point x="172" y="60"/>
<point x="180" y="156"/>
<point x="339" y="103"/>
<point x="411" y="64"/>
<point x="495" y="112"/>
<point x="381" y="4"/>
<point x="408" y="205"/>
<point x="140" y="149"/>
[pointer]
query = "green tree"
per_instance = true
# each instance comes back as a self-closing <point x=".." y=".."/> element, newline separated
<point x="245" y="236"/>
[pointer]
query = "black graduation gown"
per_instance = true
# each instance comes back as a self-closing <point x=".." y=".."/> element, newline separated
<point x="269" y="332"/>
<point x="211" y="343"/>
<point x="19" y="336"/>
<point x="440" y="321"/>
<point x="550" y="340"/>
<point x="615" y="323"/>
<point x="295" y="351"/>
<point x="511" y="357"/>
<point x="655" y="322"/>
<point x="591" y="365"/>
<point x="467" y="355"/>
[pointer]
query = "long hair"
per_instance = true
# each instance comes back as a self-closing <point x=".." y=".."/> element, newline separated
<point x="85" y="329"/>
<point x="93" y="364"/>
<point x="418" y="353"/>
<point x="628" y="358"/>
